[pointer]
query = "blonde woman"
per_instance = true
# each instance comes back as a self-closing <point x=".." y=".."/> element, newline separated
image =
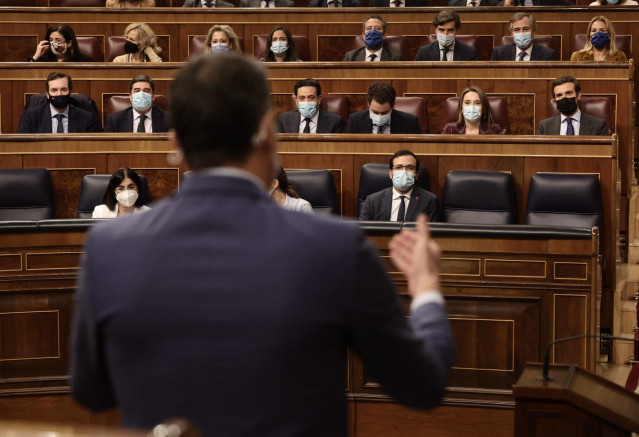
<point x="222" y="38"/>
<point x="141" y="45"/>
<point x="601" y="45"/>
<point x="130" y="3"/>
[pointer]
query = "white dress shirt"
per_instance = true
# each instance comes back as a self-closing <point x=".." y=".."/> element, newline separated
<point x="312" y="125"/>
<point x="449" y="55"/>
<point x="267" y="4"/>
<point x="528" y="52"/>
<point x="576" y="122"/>
<point x="397" y="201"/>
<point x="148" y="125"/>
<point x="378" y="54"/>
<point x="210" y="1"/>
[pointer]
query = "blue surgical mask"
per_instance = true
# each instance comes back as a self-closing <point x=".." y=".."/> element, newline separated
<point x="472" y="112"/>
<point x="445" y="40"/>
<point x="373" y="39"/>
<point x="600" y="40"/>
<point x="279" y="47"/>
<point x="142" y="101"/>
<point x="219" y="48"/>
<point x="307" y="109"/>
<point x="523" y="40"/>
<point x="403" y="180"/>
<point x="380" y="120"/>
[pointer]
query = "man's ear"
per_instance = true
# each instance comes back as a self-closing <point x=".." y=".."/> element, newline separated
<point x="177" y="154"/>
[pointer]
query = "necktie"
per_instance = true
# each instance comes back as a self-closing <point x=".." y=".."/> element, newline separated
<point x="208" y="4"/>
<point x="570" y="130"/>
<point x="141" y="123"/>
<point x="446" y="50"/>
<point x="60" y="129"/>
<point x="307" y="128"/>
<point x="372" y="57"/>
<point x="379" y="129"/>
<point x="402" y="209"/>
<point x="522" y="55"/>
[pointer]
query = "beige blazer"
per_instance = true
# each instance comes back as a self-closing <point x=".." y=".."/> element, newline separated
<point x="151" y="56"/>
<point x="118" y="4"/>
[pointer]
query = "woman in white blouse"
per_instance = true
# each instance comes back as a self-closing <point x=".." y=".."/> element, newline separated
<point x="283" y="193"/>
<point x="123" y="196"/>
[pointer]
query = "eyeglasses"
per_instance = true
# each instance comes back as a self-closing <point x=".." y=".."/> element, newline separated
<point x="399" y="167"/>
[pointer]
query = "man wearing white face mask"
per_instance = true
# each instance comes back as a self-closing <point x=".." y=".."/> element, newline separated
<point x="522" y="27"/>
<point x="446" y="24"/>
<point x="141" y="116"/>
<point x="308" y="119"/>
<point x="403" y="201"/>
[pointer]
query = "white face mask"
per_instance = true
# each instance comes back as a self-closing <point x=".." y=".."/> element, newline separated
<point x="380" y="120"/>
<point x="445" y="40"/>
<point x="127" y="198"/>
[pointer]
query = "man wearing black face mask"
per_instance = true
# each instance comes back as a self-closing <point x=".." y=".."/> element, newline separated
<point x="374" y="51"/>
<point x="58" y="116"/>
<point x="566" y="91"/>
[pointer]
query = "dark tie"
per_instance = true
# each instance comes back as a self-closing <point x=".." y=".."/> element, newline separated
<point x="60" y="129"/>
<point x="402" y="210"/>
<point x="570" y="130"/>
<point x="208" y="4"/>
<point x="379" y="129"/>
<point x="446" y="50"/>
<point x="307" y="128"/>
<point x="522" y="55"/>
<point x="372" y="57"/>
<point x="141" y="123"/>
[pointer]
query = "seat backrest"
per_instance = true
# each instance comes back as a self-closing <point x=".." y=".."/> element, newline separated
<point x="26" y="194"/>
<point x="301" y="45"/>
<point x="333" y="103"/>
<point x="82" y="3"/>
<point x="599" y="106"/>
<point x="114" y="47"/>
<point x="415" y="106"/>
<point x="317" y="187"/>
<point x="90" y="47"/>
<point x="543" y="40"/>
<point x="196" y="44"/>
<point x="374" y="177"/>
<point x="395" y="43"/>
<point x="79" y="100"/>
<point x="498" y="107"/>
<point x="564" y="199"/>
<point x="119" y="102"/>
<point x="92" y="193"/>
<point x="623" y="43"/>
<point x="482" y="197"/>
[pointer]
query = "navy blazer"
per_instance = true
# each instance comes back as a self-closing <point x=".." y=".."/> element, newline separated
<point x="408" y="3"/>
<point x="507" y="52"/>
<point x="377" y="206"/>
<point x="345" y="4"/>
<point x="359" y="55"/>
<point x="327" y="123"/>
<point x="462" y="52"/>
<point x="401" y="123"/>
<point x="122" y="121"/>
<point x="240" y="345"/>
<point x="38" y="121"/>
<point x="589" y="125"/>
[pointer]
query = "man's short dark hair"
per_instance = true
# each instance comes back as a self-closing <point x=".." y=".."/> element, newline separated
<point x="565" y="79"/>
<point x="217" y="104"/>
<point x="446" y="16"/>
<point x="404" y="152"/>
<point x="142" y="78"/>
<point x="309" y="82"/>
<point x="382" y="92"/>
<point x="376" y="17"/>
<point x="58" y="75"/>
<point x="520" y="16"/>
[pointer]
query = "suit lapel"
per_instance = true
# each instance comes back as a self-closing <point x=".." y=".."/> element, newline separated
<point x="585" y="127"/>
<point x="72" y="128"/>
<point x="512" y="52"/>
<point x="555" y="127"/>
<point x="386" y="56"/>
<point x="387" y="203"/>
<point x="47" y="128"/>
<point x="415" y="199"/>
<point x="127" y="121"/>
<point x="434" y="51"/>
<point x="321" y="123"/>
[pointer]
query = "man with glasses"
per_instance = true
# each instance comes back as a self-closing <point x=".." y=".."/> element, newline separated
<point x="404" y="201"/>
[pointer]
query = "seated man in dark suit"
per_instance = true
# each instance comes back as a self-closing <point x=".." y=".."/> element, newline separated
<point x="380" y="117"/>
<point x="335" y="4"/>
<point x="141" y="116"/>
<point x="566" y="91"/>
<point x="58" y="116"/>
<point x="308" y="119"/>
<point x="373" y="34"/>
<point x="446" y="24"/>
<point x="535" y="3"/>
<point x="206" y="4"/>
<point x="404" y="201"/>
<point x="472" y="3"/>
<point x="522" y="27"/>
<point x="397" y="3"/>
<point x="267" y="3"/>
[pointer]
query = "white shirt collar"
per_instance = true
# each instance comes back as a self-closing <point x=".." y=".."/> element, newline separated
<point x="313" y="118"/>
<point x="54" y="112"/>
<point x="576" y="116"/>
<point x="137" y="114"/>
<point x="377" y="52"/>
<point x="528" y="51"/>
<point x="204" y="1"/>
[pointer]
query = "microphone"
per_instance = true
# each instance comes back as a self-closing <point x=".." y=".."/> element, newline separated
<point x="545" y="377"/>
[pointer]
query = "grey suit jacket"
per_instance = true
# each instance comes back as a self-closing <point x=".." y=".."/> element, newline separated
<point x="198" y="4"/>
<point x="327" y="123"/>
<point x="507" y="52"/>
<point x="590" y="125"/>
<point x="359" y="55"/>
<point x="462" y="52"/>
<point x="377" y="206"/>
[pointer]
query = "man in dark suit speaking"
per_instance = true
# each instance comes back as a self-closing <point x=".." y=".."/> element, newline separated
<point x="446" y="48"/>
<point x="522" y="27"/>
<point x="141" y="116"/>
<point x="235" y="313"/>
<point x="59" y="116"/>
<point x="308" y="119"/>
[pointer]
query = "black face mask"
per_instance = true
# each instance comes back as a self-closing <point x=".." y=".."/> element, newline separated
<point x="61" y="101"/>
<point x="129" y="47"/>
<point x="567" y="105"/>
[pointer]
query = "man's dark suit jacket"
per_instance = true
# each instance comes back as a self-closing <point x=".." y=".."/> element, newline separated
<point x="377" y="206"/>
<point x="122" y="121"/>
<point x="462" y="52"/>
<point x="401" y="123"/>
<point x="543" y="3"/>
<point x="386" y="3"/>
<point x="589" y="125"/>
<point x="464" y="3"/>
<point x="327" y="123"/>
<point x="345" y="4"/>
<point x="238" y="344"/>
<point x="198" y="4"/>
<point x="256" y="3"/>
<point x="38" y="121"/>
<point x="359" y="55"/>
<point x="507" y="52"/>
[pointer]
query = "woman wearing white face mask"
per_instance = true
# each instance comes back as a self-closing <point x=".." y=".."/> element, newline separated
<point x="123" y="196"/>
<point x="282" y="192"/>
<point x="221" y="38"/>
<point x="475" y="116"/>
<point x="59" y="45"/>
<point x="280" y="46"/>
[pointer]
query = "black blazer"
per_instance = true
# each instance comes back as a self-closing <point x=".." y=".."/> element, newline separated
<point x="359" y="55"/>
<point x="401" y="123"/>
<point x="327" y="123"/>
<point x="377" y="206"/>
<point x="507" y="52"/>
<point x="589" y="125"/>
<point x="462" y="52"/>
<point x="386" y="3"/>
<point x="122" y="121"/>
<point x="38" y="121"/>
<point x="345" y="4"/>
